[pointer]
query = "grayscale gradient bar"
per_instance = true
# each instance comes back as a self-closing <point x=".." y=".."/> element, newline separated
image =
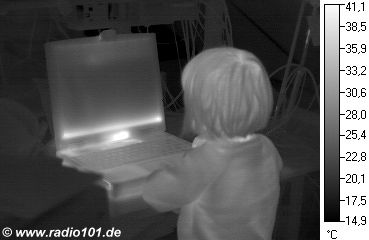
<point x="332" y="111"/>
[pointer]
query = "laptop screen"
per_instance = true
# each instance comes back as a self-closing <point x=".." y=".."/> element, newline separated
<point x="104" y="89"/>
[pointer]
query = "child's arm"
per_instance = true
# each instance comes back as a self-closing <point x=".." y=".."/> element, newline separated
<point x="180" y="182"/>
<point x="166" y="189"/>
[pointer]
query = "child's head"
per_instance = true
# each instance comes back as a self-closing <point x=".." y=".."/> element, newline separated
<point x="227" y="93"/>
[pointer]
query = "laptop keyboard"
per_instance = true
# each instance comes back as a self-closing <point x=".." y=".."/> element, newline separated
<point x="161" y="145"/>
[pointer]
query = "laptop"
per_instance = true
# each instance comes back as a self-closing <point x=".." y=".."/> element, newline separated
<point x="106" y="102"/>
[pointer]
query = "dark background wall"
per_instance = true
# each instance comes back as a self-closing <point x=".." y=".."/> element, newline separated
<point x="278" y="20"/>
<point x="265" y="27"/>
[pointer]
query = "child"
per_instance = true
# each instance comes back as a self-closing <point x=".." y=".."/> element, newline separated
<point x="227" y="186"/>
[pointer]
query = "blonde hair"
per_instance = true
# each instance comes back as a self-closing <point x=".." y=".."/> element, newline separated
<point x="227" y="93"/>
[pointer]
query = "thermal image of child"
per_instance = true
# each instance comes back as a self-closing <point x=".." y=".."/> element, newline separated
<point x="227" y="186"/>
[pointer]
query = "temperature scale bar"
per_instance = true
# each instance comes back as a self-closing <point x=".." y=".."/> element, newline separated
<point x="332" y="113"/>
<point x="346" y="119"/>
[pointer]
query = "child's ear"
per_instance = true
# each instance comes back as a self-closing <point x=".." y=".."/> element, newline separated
<point x="187" y="134"/>
<point x="188" y="127"/>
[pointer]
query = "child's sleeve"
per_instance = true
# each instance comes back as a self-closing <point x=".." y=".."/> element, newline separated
<point x="178" y="183"/>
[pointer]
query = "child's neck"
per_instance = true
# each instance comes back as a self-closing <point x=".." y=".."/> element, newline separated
<point x="238" y="139"/>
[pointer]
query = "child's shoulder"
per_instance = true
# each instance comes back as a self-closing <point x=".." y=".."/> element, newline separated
<point x="201" y="149"/>
<point x="265" y="139"/>
<point x="204" y="151"/>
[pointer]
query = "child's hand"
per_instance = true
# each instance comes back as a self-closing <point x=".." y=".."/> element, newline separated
<point x="198" y="141"/>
